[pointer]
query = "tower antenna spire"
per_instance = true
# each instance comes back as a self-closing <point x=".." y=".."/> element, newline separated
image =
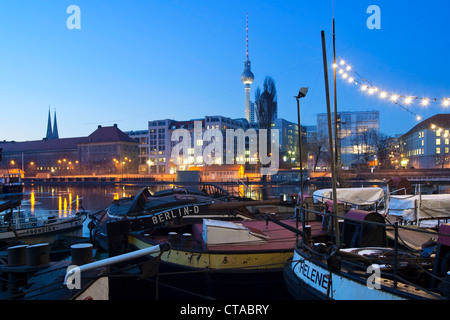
<point x="247" y="78"/>
<point x="247" y="34"/>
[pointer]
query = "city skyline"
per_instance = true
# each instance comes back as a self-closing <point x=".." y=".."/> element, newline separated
<point x="130" y="64"/>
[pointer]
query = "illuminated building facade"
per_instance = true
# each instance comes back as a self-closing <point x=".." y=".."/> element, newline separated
<point x="160" y="145"/>
<point x="105" y="151"/>
<point x="427" y="145"/>
<point x="358" y="132"/>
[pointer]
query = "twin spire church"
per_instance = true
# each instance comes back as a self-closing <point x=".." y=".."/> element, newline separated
<point x="52" y="134"/>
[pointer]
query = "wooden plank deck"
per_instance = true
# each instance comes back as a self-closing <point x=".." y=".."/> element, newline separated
<point x="411" y="239"/>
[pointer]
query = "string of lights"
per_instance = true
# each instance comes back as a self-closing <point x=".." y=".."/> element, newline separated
<point x="344" y="69"/>
<point x="347" y="73"/>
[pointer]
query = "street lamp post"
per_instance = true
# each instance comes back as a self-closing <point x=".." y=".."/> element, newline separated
<point x="301" y="94"/>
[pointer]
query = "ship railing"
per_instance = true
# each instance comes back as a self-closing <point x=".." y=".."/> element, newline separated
<point x="437" y="266"/>
<point x="23" y="220"/>
<point x="238" y="188"/>
<point x="114" y="260"/>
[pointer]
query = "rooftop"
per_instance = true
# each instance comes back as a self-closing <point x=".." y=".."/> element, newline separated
<point x="108" y="134"/>
<point x="102" y="134"/>
<point x="439" y="120"/>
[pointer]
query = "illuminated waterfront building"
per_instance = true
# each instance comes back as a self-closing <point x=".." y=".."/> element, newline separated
<point x="107" y="150"/>
<point x="427" y="145"/>
<point x="158" y="157"/>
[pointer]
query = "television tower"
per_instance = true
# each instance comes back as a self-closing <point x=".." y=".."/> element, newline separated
<point x="247" y="78"/>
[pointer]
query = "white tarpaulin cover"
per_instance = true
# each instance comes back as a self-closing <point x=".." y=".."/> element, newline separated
<point x="431" y="206"/>
<point x="360" y="196"/>
<point x="227" y="232"/>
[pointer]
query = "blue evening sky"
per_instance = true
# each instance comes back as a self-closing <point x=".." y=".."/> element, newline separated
<point x="140" y="60"/>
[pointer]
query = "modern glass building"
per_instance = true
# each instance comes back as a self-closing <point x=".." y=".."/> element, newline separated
<point x="358" y="132"/>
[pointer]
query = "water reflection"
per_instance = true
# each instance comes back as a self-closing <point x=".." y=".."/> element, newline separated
<point x="66" y="200"/>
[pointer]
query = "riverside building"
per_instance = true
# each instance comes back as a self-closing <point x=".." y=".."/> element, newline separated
<point x="427" y="144"/>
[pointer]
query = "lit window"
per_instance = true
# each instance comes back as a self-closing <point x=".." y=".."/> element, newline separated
<point x="422" y="142"/>
<point x="438" y="150"/>
<point x="446" y="141"/>
<point x="446" y="149"/>
<point x="438" y="142"/>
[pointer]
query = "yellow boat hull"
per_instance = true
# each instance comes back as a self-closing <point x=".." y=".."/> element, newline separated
<point x="217" y="260"/>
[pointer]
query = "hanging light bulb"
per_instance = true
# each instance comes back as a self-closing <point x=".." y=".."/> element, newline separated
<point x="407" y="100"/>
<point x="383" y="94"/>
<point x="394" y="97"/>
<point x="425" y="102"/>
<point x="446" y="103"/>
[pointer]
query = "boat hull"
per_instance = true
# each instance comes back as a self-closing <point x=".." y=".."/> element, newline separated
<point x="45" y="233"/>
<point x="241" y="275"/>
<point x="307" y="278"/>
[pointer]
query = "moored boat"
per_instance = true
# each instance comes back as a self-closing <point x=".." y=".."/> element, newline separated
<point x="178" y="206"/>
<point x="224" y="259"/>
<point x="17" y="225"/>
<point x="362" y="267"/>
<point x="11" y="185"/>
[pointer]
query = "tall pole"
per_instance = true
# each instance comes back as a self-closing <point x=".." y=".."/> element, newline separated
<point x="301" y="164"/>
<point x="330" y="133"/>
<point x="336" y="142"/>
<point x="300" y="145"/>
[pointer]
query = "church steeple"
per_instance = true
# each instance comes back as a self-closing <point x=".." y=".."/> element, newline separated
<point x="55" y="134"/>
<point x="51" y="134"/>
<point x="49" y="126"/>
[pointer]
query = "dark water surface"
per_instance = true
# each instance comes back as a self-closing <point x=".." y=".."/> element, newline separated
<point x="64" y="200"/>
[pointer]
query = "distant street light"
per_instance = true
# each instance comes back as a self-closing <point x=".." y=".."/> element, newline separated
<point x="301" y="94"/>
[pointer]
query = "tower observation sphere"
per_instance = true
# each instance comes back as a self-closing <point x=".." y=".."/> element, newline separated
<point x="247" y="76"/>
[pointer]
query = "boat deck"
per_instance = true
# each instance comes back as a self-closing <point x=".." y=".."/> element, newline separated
<point x="278" y="237"/>
<point x="411" y="238"/>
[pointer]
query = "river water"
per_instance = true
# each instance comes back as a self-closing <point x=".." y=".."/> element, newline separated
<point x="62" y="200"/>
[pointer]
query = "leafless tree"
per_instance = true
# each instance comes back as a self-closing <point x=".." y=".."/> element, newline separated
<point x="382" y="149"/>
<point x="319" y="148"/>
<point x="266" y="103"/>
<point x="266" y="108"/>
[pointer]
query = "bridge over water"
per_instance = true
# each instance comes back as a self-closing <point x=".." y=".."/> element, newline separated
<point x="414" y="175"/>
